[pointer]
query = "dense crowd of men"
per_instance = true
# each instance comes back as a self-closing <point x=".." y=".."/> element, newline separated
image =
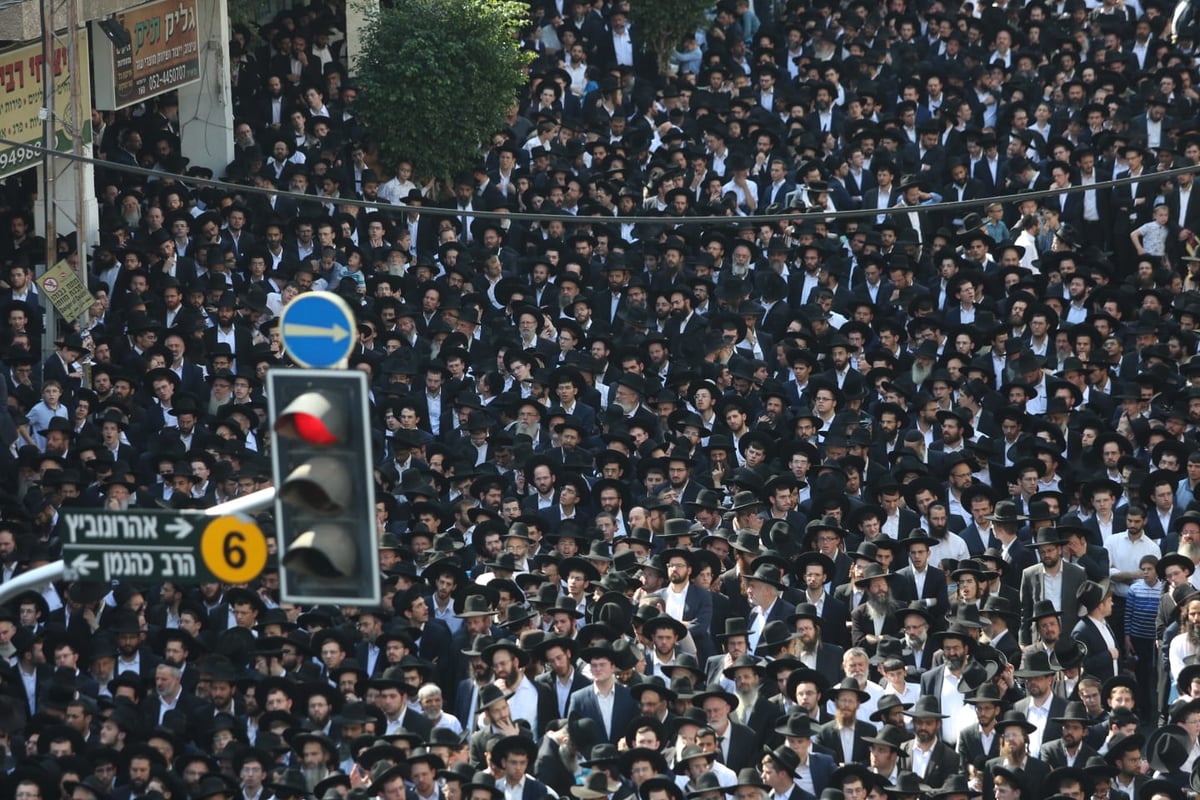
<point x="689" y="485"/>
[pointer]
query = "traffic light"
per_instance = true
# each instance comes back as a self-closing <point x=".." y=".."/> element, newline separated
<point x="324" y="487"/>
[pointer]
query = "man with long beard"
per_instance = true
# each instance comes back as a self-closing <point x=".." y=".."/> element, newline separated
<point x="943" y="680"/>
<point x="1187" y="641"/>
<point x="916" y="622"/>
<point x="1014" y="731"/>
<point x="754" y="710"/>
<point x="875" y="617"/>
<point x="845" y="735"/>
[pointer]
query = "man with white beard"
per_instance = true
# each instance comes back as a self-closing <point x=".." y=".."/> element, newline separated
<point x="1188" y="527"/>
<point x="754" y="710"/>
<point x="916" y="623"/>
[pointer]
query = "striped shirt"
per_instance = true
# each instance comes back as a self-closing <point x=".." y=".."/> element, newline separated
<point x="1141" y="608"/>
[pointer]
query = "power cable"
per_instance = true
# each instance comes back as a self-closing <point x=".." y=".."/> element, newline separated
<point x="525" y="216"/>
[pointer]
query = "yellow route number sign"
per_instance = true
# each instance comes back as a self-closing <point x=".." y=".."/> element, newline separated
<point x="234" y="549"/>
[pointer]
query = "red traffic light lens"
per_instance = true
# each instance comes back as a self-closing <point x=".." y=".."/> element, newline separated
<point x="313" y="430"/>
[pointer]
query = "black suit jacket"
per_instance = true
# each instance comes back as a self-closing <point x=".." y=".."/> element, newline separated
<point x="768" y="196"/>
<point x="1099" y="661"/>
<point x="1125" y="203"/>
<point x="1070" y="208"/>
<point x="1058" y="707"/>
<point x="835" y="622"/>
<point x="188" y="706"/>
<point x="871" y="197"/>
<point x="861" y="626"/>
<point x="1054" y="753"/>
<point x="549" y="767"/>
<point x="943" y="762"/>
<point x="970" y="746"/>
<point x="763" y="717"/>
<point x="827" y="736"/>
<point x="829" y="658"/>
<point x="243" y="345"/>
<point x="687" y="342"/>
<point x="905" y="587"/>
<point x="983" y="174"/>
<point x="547" y="680"/>
<point x="1095" y="563"/>
<point x="1035" y="771"/>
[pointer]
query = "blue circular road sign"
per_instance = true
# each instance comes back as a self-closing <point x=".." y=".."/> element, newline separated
<point x="318" y="330"/>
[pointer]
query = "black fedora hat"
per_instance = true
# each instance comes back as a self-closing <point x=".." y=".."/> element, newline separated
<point x="907" y="785"/>
<point x="770" y="575"/>
<point x="1167" y="749"/>
<point x="1017" y="718"/>
<point x="1068" y="653"/>
<point x="1074" y="712"/>
<point x="1091" y="594"/>
<point x="846" y="685"/>
<point x="798" y="725"/>
<point x="1035" y="665"/>
<point x="956" y="784"/>
<point x="514" y="744"/>
<point x="885" y="704"/>
<point x="890" y="736"/>
<point x="927" y="707"/>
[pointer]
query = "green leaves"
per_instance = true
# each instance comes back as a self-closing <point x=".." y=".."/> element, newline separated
<point x="437" y="78"/>
<point x="662" y="24"/>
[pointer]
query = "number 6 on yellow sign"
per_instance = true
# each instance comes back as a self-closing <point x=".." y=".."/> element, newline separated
<point x="234" y="549"/>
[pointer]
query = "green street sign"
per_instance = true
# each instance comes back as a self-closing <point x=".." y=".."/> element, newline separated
<point x="188" y="548"/>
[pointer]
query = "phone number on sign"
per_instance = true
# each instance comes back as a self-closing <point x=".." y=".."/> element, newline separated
<point x="167" y="78"/>
<point x="15" y="157"/>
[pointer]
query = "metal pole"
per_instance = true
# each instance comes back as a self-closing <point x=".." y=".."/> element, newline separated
<point x="48" y="144"/>
<point x="79" y="117"/>
<point x="54" y="571"/>
<point x="255" y="501"/>
<point x="33" y="579"/>
<point x="48" y="139"/>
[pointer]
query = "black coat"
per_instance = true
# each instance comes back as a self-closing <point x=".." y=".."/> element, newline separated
<point x="943" y="762"/>
<point x="827" y="736"/>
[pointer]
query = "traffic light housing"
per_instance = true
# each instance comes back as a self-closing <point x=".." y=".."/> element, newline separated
<point x="324" y="487"/>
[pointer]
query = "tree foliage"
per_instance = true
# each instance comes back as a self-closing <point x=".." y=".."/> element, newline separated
<point x="662" y="24"/>
<point x="437" y="77"/>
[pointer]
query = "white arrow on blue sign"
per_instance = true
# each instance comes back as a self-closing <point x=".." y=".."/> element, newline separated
<point x="318" y="330"/>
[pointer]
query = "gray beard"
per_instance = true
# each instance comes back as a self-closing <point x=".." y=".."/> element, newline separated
<point x="313" y="775"/>
<point x="879" y="608"/>
<point x="919" y="374"/>
<point x="569" y="756"/>
<point x="1194" y="637"/>
<point x="914" y="642"/>
<point x="1192" y="551"/>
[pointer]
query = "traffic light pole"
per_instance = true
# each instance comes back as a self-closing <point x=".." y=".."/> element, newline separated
<point x="246" y="504"/>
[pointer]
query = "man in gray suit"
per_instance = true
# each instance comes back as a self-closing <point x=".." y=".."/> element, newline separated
<point x="1053" y="579"/>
